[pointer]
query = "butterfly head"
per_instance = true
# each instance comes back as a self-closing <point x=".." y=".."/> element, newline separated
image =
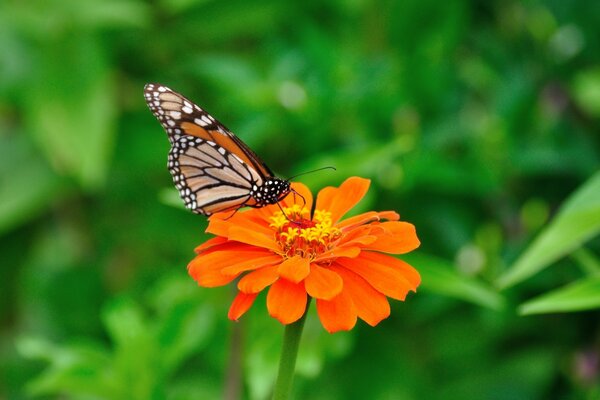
<point x="272" y="191"/>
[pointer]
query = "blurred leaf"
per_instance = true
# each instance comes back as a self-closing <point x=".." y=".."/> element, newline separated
<point x="577" y="221"/>
<point x="586" y="90"/>
<point x="124" y="322"/>
<point x="25" y="191"/>
<point x="587" y="260"/>
<point x="581" y="295"/>
<point x="439" y="276"/>
<point x="44" y="19"/>
<point x="137" y="360"/>
<point x="77" y="369"/>
<point x="181" y="312"/>
<point x="221" y="21"/>
<point x="72" y="108"/>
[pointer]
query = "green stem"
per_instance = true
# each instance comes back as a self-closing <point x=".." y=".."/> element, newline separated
<point x="287" y="362"/>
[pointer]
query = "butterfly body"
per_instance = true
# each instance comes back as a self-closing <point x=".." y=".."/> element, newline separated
<point x="212" y="169"/>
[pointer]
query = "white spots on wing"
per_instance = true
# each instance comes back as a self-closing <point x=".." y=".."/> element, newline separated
<point x="162" y="89"/>
<point x="221" y="150"/>
<point x="176" y="114"/>
<point x="207" y="119"/>
<point x="186" y="109"/>
<point x="172" y="97"/>
<point x="200" y="122"/>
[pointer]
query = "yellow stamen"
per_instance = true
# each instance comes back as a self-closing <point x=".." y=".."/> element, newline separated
<point x="298" y="235"/>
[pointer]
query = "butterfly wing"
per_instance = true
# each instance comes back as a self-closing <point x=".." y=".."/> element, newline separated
<point x="212" y="169"/>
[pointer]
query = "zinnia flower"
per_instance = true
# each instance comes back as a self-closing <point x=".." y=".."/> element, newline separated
<point x="302" y="252"/>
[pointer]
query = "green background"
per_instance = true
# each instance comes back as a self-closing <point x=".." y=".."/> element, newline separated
<point x="478" y="121"/>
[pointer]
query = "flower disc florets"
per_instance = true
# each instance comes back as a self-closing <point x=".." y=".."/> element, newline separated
<point x="298" y="235"/>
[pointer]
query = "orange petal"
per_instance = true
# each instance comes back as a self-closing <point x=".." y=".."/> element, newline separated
<point x="240" y="305"/>
<point x="227" y="246"/>
<point x="388" y="275"/>
<point x="255" y="281"/>
<point x="350" y="251"/>
<point x="210" y="243"/>
<point x="253" y="238"/>
<point x="250" y="264"/>
<point x="337" y="314"/>
<point x="221" y="224"/>
<point x="286" y="301"/>
<point x="206" y="268"/>
<point x="302" y="192"/>
<point x="396" y="238"/>
<point x="340" y="200"/>
<point x="360" y="236"/>
<point x="371" y="305"/>
<point x="322" y="283"/>
<point x="367" y="218"/>
<point x="295" y="269"/>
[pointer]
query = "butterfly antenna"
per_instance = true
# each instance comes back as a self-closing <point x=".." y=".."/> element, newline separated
<point x="310" y="172"/>
<point x="283" y="212"/>
<point x="302" y="197"/>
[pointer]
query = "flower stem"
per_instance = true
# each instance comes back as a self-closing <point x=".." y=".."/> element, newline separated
<point x="287" y="362"/>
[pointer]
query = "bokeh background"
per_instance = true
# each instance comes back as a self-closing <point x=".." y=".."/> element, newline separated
<point x="478" y="121"/>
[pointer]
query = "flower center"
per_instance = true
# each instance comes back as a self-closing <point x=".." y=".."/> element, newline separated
<point x="299" y="235"/>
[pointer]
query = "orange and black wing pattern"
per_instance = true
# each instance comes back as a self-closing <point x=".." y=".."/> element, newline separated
<point x="213" y="169"/>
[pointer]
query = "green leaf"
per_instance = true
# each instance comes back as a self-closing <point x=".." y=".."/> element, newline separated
<point x="586" y="90"/>
<point x="25" y="191"/>
<point x="577" y="221"/>
<point x="78" y="369"/>
<point x="72" y="108"/>
<point x="578" y="296"/>
<point x="439" y="276"/>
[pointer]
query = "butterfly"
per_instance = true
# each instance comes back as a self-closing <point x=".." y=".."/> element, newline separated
<point x="212" y="168"/>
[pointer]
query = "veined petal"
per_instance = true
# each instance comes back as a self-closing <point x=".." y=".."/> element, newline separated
<point x="337" y="314"/>
<point x="220" y="224"/>
<point x="366" y="218"/>
<point x="294" y="269"/>
<point x="250" y="264"/>
<point x="226" y="246"/>
<point x="350" y="251"/>
<point x="240" y="305"/>
<point x="323" y="283"/>
<point x="206" y="268"/>
<point x="211" y="243"/>
<point x="253" y="238"/>
<point x="396" y="238"/>
<point x="255" y="281"/>
<point x="286" y="301"/>
<point x="411" y="274"/>
<point x="340" y="200"/>
<point x="360" y="236"/>
<point x="371" y="306"/>
<point x="383" y="273"/>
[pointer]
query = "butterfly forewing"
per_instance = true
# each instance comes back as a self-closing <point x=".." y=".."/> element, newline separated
<point x="212" y="169"/>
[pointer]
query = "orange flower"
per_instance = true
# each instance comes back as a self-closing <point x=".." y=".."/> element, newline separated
<point x="340" y="263"/>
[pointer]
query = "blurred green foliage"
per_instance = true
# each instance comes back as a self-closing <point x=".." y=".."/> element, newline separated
<point x="477" y="120"/>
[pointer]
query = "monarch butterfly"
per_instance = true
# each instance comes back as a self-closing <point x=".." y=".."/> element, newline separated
<point x="212" y="168"/>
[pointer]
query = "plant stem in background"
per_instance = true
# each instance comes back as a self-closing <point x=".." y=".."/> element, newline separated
<point x="233" y="380"/>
